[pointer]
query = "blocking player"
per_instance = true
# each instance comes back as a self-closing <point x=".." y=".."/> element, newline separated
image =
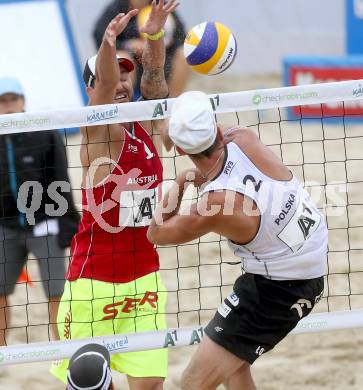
<point x="113" y="281"/>
<point x="250" y="197"/>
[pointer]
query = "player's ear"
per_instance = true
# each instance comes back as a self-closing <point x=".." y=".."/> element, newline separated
<point x="180" y="151"/>
<point x="89" y="91"/>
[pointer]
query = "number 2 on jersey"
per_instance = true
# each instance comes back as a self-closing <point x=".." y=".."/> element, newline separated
<point x="253" y="180"/>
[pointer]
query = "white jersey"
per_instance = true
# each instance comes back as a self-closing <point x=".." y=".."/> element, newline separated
<point x="291" y="242"/>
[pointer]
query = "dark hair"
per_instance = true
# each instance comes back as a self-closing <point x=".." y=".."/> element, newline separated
<point x="208" y="152"/>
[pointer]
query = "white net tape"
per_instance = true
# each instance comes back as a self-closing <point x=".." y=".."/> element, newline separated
<point x="178" y="337"/>
<point x="158" y="109"/>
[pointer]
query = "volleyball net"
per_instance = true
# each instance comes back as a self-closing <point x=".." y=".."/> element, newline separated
<point x="317" y="132"/>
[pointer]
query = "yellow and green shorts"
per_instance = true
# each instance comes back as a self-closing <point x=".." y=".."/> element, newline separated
<point x="91" y="308"/>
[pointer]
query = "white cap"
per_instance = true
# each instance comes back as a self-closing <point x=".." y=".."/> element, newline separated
<point x="192" y="126"/>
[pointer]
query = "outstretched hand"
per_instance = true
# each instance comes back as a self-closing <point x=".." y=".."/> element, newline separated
<point x="158" y="15"/>
<point x="117" y="25"/>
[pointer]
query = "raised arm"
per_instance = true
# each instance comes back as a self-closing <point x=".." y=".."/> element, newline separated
<point x="153" y="83"/>
<point x="102" y="88"/>
<point x="107" y="68"/>
<point x="105" y="80"/>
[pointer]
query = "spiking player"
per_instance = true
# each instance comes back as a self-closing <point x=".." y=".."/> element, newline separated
<point x="251" y="198"/>
<point x="113" y="282"/>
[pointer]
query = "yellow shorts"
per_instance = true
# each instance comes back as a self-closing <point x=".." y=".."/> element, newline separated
<point x="91" y="308"/>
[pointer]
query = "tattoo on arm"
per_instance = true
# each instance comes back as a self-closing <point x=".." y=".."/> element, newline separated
<point x="153" y="84"/>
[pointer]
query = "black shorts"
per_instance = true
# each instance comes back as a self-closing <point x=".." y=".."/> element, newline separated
<point x="15" y="245"/>
<point x="260" y="312"/>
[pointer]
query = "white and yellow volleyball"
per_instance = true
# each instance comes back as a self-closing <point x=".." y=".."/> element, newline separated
<point x="210" y="48"/>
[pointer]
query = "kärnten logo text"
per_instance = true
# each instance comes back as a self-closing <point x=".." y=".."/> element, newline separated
<point x="358" y="92"/>
<point x="98" y="116"/>
<point x="118" y="344"/>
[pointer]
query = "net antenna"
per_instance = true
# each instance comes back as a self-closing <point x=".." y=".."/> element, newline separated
<point x="323" y="151"/>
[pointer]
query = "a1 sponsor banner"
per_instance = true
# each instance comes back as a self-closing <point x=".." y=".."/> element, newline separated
<point x="263" y="99"/>
<point x="56" y="351"/>
<point x="168" y="338"/>
<point x="299" y="71"/>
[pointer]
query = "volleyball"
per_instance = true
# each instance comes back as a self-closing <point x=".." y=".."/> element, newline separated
<point x="210" y="48"/>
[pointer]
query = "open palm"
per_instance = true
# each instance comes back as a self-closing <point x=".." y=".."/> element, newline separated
<point x="158" y="15"/>
<point x="117" y="25"/>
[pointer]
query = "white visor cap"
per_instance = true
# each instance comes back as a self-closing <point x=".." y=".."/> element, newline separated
<point x="192" y="126"/>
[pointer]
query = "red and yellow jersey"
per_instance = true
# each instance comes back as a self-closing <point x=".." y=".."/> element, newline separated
<point x="111" y="243"/>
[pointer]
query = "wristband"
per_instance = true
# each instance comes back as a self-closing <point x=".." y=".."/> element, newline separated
<point x="157" y="36"/>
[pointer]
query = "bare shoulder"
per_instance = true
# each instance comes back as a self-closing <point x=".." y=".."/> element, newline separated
<point x="260" y="154"/>
<point x="148" y="126"/>
<point x="90" y="133"/>
<point x="239" y="133"/>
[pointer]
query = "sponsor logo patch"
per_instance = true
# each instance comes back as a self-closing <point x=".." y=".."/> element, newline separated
<point x="132" y="148"/>
<point x="233" y="299"/>
<point x="228" y="167"/>
<point x="224" y="310"/>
